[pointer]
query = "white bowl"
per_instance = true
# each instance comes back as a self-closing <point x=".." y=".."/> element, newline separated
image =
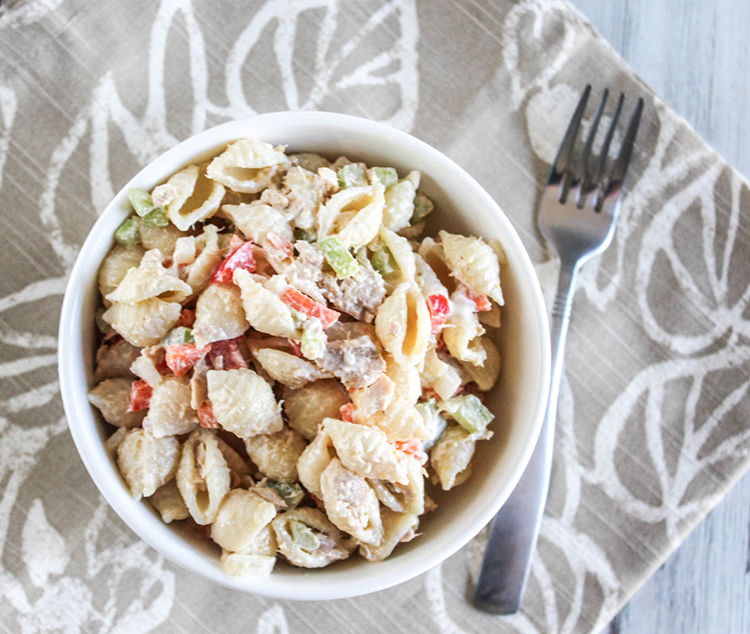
<point x="518" y="401"/>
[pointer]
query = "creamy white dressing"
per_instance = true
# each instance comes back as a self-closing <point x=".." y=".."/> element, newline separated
<point x="461" y="306"/>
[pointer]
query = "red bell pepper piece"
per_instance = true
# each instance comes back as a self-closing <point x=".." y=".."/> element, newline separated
<point x="182" y="357"/>
<point x="482" y="302"/>
<point x="302" y="303"/>
<point x="347" y="412"/>
<point x="206" y="416"/>
<point x="240" y="258"/>
<point x="226" y="355"/>
<point x="439" y="311"/>
<point x="412" y="448"/>
<point x="140" y="396"/>
<point x="187" y="318"/>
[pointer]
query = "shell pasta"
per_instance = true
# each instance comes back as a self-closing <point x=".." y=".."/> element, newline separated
<point x="286" y="363"/>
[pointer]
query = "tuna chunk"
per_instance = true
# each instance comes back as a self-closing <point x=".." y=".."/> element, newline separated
<point x="358" y="295"/>
<point x="356" y="362"/>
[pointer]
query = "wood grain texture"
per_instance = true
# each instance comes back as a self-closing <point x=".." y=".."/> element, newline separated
<point x="695" y="55"/>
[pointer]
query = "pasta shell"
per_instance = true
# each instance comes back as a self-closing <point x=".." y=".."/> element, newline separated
<point x="263" y="309"/>
<point x="149" y="280"/>
<point x="112" y="397"/>
<point x="400" y="421"/>
<point x="169" y="412"/>
<point x="473" y="261"/>
<point x="403" y="498"/>
<point x="240" y="519"/>
<point x="162" y="238"/>
<point x="307" y="406"/>
<point x="115" y="360"/>
<point x="397" y="527"/>
<point x="114" y="267"/>
<point x="313" y="461"/>
<point x="276" y="455"/>
<point x="403" y="325"/>
<point x="248" y="166"/>
<point x="243" y="402"/>
<point x="406" y="380"/>
<point x="255" y="220"/>
<point x="256" y="560"/>
<point x="327" y="544"/>
<point x="289" y="369"/>
<point x="357" y="213"/>
<point x="202" y="476"/>
<point x="168" y="501"/>
<point x="463" y="335"/>
<point x="113" y="442"/>
<point x="247" y="565"/>
<point x="485" y="375"/>
<point x="434" y="256"/>
<point x="146" y="463"/>
<point x="211" y="253"/>
<point x="219" y="315"/>
<point x="196" y="197"/>
<point x="350" y="503"/>
<point x="145" y="323"/>
<point x="399" y="205"/>
<point x="366" y="451"/>
<point x="451" y="455"/>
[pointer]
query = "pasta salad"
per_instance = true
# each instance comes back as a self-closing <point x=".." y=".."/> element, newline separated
<point x="289" y="363"/>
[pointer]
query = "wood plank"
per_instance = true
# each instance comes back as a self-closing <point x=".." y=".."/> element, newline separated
<point x="696" y="57"/>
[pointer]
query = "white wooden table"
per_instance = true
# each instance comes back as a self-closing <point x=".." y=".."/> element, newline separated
<point x="696" y="55"/>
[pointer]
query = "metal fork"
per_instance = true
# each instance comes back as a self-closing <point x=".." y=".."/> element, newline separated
<point x="577" y="216"/>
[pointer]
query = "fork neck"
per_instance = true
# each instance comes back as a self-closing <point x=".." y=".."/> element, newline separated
<point x="563" y="300"/>
<point x="561" y="308"/>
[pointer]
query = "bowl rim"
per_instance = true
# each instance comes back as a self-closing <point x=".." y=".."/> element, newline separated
<point x="95" y="459"/>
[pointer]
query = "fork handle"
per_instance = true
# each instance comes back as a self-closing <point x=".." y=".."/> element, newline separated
<point x="514" y="531"/>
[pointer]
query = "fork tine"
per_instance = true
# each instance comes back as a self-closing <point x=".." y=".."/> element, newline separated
<point x="562" y="160"/>
<point x="620" y="166"/>
<point x="600" y="164"/>
<point x="582" y="171"/>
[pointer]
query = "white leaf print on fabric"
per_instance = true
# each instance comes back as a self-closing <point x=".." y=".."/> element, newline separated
<point x="361" y="57"/>
<point x="8" y="107"/>
<point x="273" y="621"/>
<point x="702" y="283"/>
<point x="698" y="452"/>
<point x="552" y="23"/>
<point x="402" y="55"/>
<point x="43" y="548"/>
<point x="26" y="12"/>
<point x="436" y="596"/>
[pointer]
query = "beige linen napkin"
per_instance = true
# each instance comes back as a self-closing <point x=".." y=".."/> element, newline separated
<point x="653" y="416"/>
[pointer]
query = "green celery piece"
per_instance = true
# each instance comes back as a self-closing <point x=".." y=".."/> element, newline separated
<point x="157" y="217"/>
<point x="386" y="175"/>
<point x="178" y="336"/>
<point x="351" y="175"/>
<point x="141" y="201"/>
<point x="303" y="536"/>
<point x="128" y="233"/>
<point x="303" y="234"/>
<point x="422" y="208"/>
<point x="384" y="262"/>
<point x="469" y="412"/>
<point x="292" y="494"/>
<point x="338" y="257"/>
